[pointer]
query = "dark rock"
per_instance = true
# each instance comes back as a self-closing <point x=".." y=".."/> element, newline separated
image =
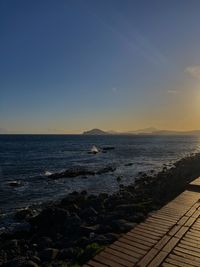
<point x="44" y="242"/>
<point x="112" y="237"/>
<point x="122" y="225"/>
<point x="106" y="169"/>
<point x="29" y="264"/>
<point x="48" y="254"/>
<point x="72" y="172"/>
<point x="128" y="164"/>
<point x="15" y="183"/>
<point x="25" y="214"/>
<point x="36" y="259"/>
<point x="86" y="230"/>
<point x="69" y="253"/>
<point x="88" y="213"/>
<point x="50" y="220"/>
<point x="106" y="148"/>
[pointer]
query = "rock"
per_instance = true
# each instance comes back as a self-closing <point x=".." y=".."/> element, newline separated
<point x="25" y="214"/>
<point x="122" y="225"/>
<point x="128" y="164"/>
<point x="15" y="183"/>
<point x="48" y="254"/>
<point x="106" y="169"/>
<point x="90" y="251"/>
<point x="112" y="237"/>
<point x="86" y="230"/>
<point x="36" y="259"/>
<point x="106" y="148"/>
<point x="69" y="253"/>
<point x="72" y="172"/>
<point x="50" y="220"/>
<point x="29" y="264"/>
<point x="44" y="242"/>
<point x="100" y="239"/>
<point x="88" y="212"/>
<point x="21" y="262"/>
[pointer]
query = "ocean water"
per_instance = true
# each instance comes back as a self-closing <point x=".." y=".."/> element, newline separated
<point x="29" y="158"/>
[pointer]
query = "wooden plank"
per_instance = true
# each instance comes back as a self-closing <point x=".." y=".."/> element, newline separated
<point x="182" y="220"/>
<point x="190" y="221"/>
<point x="143" y="233"/>
<point x="135" y="244"/>
<point x="151" y="227"/>
<point x="178" y="263"/>
<point x="190" y="243"/>
<point x="109" y="262"/>
<point x="121" y="255"/>
<point x="183" y="259"/>
<point x="163" y="242"/>
<point x="148" y="257"/>
<point x="160" y="222"/>
<point x="189" y="248"/>
<point x="138" y="251"/>
<point x="181" y="232"/>
<point x="143" y="230"/>
<point x="117" y="259"/>
<point x="132" y="240"/>
<point x="95" y="264"/>
<point x="187" y="256"/>
<point x="165" y="264"/>
<point x="127" y="251"/>
<point x="171" y="244"/>
<point x="142" y="238"/>
<point x="196" y="214"/>
<point x="165" y="218"/>
<point x="174" y="230"/>
<point x="193" y="253"/>
<point x="158" y="259"/>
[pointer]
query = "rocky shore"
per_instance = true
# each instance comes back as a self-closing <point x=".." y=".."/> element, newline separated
<point x="71" y="231"/>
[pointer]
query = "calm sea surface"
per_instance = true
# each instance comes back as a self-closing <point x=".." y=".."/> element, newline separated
<point x="28" y="158"/>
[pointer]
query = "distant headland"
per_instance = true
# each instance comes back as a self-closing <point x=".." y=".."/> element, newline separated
<point x="145" y="131"/>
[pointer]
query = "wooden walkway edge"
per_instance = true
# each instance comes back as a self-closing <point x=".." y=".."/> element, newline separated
<point x="169" y="237"/>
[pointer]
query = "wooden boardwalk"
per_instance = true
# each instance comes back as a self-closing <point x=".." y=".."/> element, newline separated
<point x="169" y="237"/>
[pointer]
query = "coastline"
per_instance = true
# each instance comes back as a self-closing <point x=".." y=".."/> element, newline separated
<point x="72" y="230"/>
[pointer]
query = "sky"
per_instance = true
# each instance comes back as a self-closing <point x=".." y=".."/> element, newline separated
<point x="67" y="66"/>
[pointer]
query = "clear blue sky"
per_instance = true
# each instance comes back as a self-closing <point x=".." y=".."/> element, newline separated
<point x="66" y="66"/>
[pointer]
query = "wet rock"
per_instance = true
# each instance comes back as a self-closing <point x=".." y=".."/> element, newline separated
<point x="48" y="254"/>
<point x="128" y="164"/>
<point x="25" y="214"/>
<point x="106" y="169"/>
<point x="15" y="183"/>
<point x="72" y="172"/>
<point x="106" y="148"/>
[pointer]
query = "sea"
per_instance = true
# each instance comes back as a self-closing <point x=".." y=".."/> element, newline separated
<point x="29" y="159"/>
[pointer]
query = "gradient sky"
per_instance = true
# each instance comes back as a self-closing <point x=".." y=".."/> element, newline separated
<point x="67" y="66"/>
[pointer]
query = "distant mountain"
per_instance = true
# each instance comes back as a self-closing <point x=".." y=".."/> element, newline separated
<point x="145" y="131"/>
<point x="95" y="132"/>
<point x="166" y="132"/>
<point x="148" y="130"/>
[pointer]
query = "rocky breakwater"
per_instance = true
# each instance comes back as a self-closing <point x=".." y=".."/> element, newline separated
<point x="71" y="231"/>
